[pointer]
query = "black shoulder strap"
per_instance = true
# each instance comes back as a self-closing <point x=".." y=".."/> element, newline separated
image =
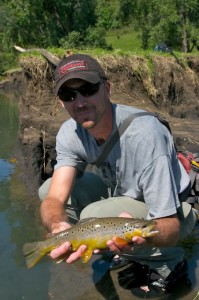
<point x="117" y="134"/>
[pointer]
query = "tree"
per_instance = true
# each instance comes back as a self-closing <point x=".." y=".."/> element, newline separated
<point x="107" y="12"/>
<point x="45" y="22"/>
<point x="173" y="21"/>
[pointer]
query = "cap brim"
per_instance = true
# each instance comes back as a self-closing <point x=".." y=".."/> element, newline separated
<point x="91" y="77"/>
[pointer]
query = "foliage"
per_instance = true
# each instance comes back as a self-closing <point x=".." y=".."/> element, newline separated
<point x="45" y="22"/>
<point x="108" y="14"/>
<point x="86" y="23"/>
<point x="171" y="21"/>
<point x="7" y="60"/>
<point x="94" y="38"/>
<point x="73" y="40"/>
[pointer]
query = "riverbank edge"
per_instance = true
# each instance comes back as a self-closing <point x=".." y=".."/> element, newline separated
<point x="157" y="83"/>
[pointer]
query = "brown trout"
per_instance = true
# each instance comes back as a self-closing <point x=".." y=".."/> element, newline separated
<point x="93" y="232"/>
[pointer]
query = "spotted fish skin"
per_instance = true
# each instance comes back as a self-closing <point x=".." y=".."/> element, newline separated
<point x="92" y="232"/>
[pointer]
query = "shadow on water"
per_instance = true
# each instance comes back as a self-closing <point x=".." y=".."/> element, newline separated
<point x="19" y="219"/>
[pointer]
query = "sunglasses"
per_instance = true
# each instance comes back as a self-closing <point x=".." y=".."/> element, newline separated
<point x="88" y="89"/>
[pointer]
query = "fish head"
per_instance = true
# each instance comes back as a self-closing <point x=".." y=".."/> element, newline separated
<point x="140" y="227"/>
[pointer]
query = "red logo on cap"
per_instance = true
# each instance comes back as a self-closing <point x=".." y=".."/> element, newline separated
<point x="73" y="66"/>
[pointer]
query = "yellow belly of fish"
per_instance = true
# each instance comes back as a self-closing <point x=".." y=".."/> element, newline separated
<point x="91" y="243"/>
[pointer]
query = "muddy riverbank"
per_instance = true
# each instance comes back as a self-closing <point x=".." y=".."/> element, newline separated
<point x="156" y="83"/>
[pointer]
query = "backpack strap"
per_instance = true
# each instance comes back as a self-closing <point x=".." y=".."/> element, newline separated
<point x="117" y="135"/>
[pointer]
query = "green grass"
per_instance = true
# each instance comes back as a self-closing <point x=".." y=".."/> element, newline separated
<point x="125" y="40"/>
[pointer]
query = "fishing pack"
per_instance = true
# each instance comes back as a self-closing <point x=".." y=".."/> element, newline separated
<point x="190" y="161"/>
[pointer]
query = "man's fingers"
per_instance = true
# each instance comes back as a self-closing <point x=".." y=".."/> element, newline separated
<point x="63" y="249"/>
<point x="76" y="255"/>
<point x="61" y="226"/>
<point x="125" y="215"/>
<point x="138" y="240"/>
<point x="113" y="247"/>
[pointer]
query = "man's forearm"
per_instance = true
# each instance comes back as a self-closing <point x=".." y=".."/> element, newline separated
<point x="169" y="232"/>
<point x="52" y="213"/>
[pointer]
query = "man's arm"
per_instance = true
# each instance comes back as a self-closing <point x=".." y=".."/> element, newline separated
<point x="53" y="212"/>
<point x="169" y="230"/>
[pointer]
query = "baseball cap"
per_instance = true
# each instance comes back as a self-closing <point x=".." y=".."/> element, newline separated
<point x="79" y="66"/>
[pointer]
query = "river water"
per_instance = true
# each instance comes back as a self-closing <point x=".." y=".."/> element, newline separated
<point x="20" y="223"/>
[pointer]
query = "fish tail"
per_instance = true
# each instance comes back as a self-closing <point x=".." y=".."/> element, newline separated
<point x="33" y="253"/>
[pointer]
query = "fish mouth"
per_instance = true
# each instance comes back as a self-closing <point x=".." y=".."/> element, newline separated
<point x="149" y="231"/>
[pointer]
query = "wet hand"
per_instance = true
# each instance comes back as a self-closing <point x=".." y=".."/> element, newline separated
<point x="119" y="249"/>
<point x="61" y="226"/>
<point x="136" y="240"/>
<point x="65" y="251"/>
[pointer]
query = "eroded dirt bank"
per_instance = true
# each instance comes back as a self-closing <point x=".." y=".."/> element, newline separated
<point x="157" y="83"/>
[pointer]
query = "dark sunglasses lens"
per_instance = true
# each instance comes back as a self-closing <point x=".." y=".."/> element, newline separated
<point x="89" y="89"/>
<point x="86" y="90"/>
<point x="67" y="95"/>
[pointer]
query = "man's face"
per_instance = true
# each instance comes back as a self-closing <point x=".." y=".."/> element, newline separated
<point x="86" y="110"/>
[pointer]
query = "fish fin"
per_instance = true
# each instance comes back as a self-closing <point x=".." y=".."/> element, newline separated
<point x="151" y="233"/>
<point x="32" y="253"/>
<point x="86" y="220"/>
<point x="119" y="241"/>
<point x="86" y="256"/>
<point x="136" y="232"/>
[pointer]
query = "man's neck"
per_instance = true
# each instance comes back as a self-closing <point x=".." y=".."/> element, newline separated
<point x="103" y="129"/>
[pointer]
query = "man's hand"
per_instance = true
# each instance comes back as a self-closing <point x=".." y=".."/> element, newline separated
<point x="61" y="226"/>
<point x="65" y="249"/>
<point x="136" y="240"/>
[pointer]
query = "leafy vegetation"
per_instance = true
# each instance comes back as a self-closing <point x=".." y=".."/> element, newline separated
<point x="97" y="24"/>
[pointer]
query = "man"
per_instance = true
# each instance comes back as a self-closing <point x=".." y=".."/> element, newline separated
<point x="140" y="177"/>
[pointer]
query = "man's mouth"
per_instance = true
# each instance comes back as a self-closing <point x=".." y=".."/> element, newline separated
<point x="80" y="112"/>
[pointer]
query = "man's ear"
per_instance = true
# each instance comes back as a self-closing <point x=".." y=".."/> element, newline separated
<point x="60" y="102"/>
<point x="108" y="87"/>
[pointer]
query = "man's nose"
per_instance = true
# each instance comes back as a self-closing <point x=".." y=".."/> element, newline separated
<point x="80" y="100"/>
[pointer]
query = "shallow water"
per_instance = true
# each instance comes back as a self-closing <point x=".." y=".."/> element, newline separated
<point x="20" y="223"/>
<point x="17" y="218"/>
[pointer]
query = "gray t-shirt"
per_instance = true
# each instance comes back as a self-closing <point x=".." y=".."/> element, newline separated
<point x="142" y="165"/>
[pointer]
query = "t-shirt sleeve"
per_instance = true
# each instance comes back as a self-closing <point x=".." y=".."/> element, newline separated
<point x="69" y="150"/>
<point x="157" y="177"/>
<point x="159" y="188"/>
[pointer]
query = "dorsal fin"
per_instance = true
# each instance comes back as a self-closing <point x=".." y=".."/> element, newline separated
<point x="86" y="220"/>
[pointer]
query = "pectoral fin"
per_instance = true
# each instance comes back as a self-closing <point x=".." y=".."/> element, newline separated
<point x="119" y="241"/>
<point x="87" y="255"/>
<point x="136" y="232"/>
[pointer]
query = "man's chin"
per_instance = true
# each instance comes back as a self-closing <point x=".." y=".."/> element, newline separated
<point x="88" y="124"/>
